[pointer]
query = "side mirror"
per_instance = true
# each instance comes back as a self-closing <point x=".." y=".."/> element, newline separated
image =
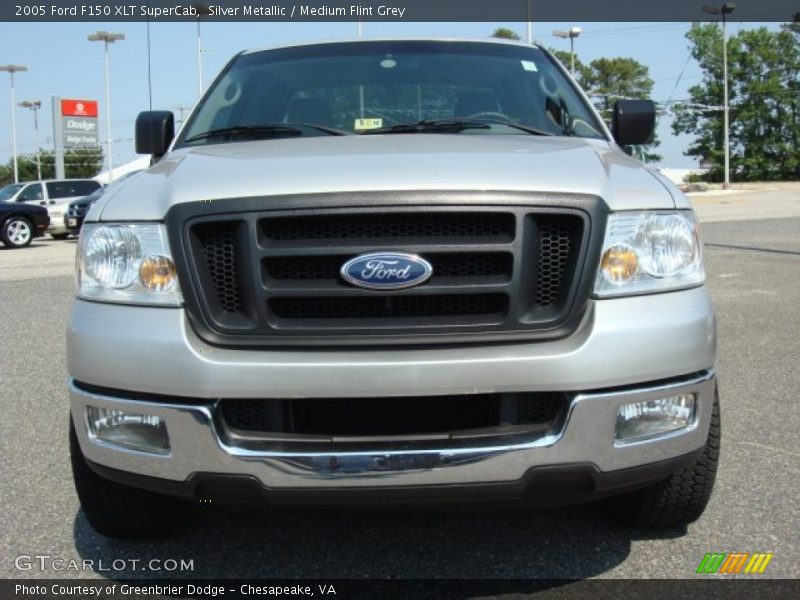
<point x="633" y="122"/>
<point x="154" y="132"/>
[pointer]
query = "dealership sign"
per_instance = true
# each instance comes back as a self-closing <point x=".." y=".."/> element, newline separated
<point x="79" y="123"/>
<point x="75" y="125"/>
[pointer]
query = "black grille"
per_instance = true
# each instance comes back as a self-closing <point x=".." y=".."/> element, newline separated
<point x="387" y="227"/>
<point x="295" y="268"/>
<point x="273" y="277"/>
<point x="413" y="415"/>
<point x="557" y="240"/>
<point x="218" y="243"/>
<point x="389" y="307"/>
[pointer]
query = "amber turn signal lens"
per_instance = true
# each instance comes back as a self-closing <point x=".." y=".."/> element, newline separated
<point x="619" y="264"/>
<point x="157" y="273"/>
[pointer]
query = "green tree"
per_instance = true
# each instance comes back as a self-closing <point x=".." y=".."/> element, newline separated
<point x="505" y="34"/>
<point x="764" y="79"/>
<point x="582" y="71"/>
<point x="78" y="163"/>
<point x="611" y="79"/>
<point x="607" y="80"/>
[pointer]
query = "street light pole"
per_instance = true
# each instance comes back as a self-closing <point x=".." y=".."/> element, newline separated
<point x="107" y="38"/>
<point x="11" y="69"/>
<point x="727" y="119"/>
<point x="201" y="10"/>
<point x="530" y="24"/>
<point x="35" y="105"/>
<point x="725" y="10"/>
<point x="571" y="34"/>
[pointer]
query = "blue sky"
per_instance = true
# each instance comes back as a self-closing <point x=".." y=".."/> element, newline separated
<point x="63" y="63"/>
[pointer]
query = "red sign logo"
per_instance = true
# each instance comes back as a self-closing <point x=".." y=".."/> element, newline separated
<point x="79" y="108"/>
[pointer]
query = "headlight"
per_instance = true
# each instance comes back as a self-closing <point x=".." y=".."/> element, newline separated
<point x="647" y="252"/>
<point x="127" y="263"/>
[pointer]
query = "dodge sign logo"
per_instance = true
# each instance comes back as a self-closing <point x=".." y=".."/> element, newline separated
<point x="386" y="270"/>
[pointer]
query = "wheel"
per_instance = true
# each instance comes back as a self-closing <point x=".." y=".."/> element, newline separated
<point x="680" y="499"/>
<point x="17" y="232"/>
<point x="59" y="236"/>
<point x="121" y="511"/>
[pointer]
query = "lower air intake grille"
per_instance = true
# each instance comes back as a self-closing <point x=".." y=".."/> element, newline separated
<point x="413" y="415"/>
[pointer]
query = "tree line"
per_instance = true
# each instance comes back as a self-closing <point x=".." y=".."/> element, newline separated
<point x="764" y="97"/>
<point x="78" y="163"/>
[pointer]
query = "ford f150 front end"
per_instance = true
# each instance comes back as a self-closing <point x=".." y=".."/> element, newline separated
<point x="392" y="272"/>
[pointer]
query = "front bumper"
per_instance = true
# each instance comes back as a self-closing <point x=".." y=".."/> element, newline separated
<point x="148" y="360"/>
<point x="201" y="444"/>
<point x="73" y="229"/>
<point x="56" y="225"/>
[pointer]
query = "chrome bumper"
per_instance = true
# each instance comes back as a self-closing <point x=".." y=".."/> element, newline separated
<point x="200" y="443"/>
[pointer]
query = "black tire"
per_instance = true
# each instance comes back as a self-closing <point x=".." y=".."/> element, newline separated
<point x="119" y="511"/>
<point x="679" y="499"/>
<point x="16" y="232"/>
<point x="59" y="236"/>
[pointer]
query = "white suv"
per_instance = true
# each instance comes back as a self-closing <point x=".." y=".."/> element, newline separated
<point x="55" y="194"/>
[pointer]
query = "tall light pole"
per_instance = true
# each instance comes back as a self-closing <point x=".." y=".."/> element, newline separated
<point x="11" y="69"/>
<point x="107" y="38"/>
<point x="201" y="10"/>
<point x="725" y="10"/>
<point x="530" y="23"/>
<point x="571" y="35"/>
<point x="35" y="105"/>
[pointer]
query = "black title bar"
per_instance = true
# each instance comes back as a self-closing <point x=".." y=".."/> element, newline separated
<point x="394" y="10"/>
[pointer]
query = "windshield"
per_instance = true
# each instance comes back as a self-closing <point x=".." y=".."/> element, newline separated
<point x="361" y="87"/>
<point x="7" y="192"/>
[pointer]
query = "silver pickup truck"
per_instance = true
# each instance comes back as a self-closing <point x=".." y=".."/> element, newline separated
<point x="392" y="272"/>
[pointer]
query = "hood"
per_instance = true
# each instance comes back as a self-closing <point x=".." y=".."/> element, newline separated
<point x="398" y="162"/>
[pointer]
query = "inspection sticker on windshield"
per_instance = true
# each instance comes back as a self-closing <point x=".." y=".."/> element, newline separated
<point x="365" y="124"/>
<point x="529" y="65"/>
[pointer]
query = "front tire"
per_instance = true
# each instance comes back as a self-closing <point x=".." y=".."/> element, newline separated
<point x="680" y="499"/>
<point x="17" y="232"/>
<point x="120" y="511"/>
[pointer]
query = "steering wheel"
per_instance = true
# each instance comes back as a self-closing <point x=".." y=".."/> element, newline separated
<point x="489" y="114"/>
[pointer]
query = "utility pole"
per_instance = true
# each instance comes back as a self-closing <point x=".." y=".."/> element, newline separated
<point x="35" y="105"/>
<point x="11" y="69"/>
<point x="107" y="38"/>
<point x="724" y="11"/>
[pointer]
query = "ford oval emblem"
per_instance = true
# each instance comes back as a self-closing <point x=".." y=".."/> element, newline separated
<point x="386" y="270"/>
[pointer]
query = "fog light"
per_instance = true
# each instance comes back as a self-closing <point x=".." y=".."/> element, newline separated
<point x="642" y="420"/>
<point x="130" y="430"/>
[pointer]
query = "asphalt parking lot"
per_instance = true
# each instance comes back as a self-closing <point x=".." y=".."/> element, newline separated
<point x="753" y="264"/>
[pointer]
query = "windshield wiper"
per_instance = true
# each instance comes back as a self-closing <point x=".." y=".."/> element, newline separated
<point x="431" y="126"/>
<point x="526" y="128"/>
<point x="454" y="126"/>
<point x="265" y="130"/>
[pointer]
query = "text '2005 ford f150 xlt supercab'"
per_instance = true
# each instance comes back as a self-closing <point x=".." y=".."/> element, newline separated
<point x="392" y="272"/>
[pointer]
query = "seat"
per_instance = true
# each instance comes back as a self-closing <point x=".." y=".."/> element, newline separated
<point x="310" y="110"/>
<point x="470" y="103"/>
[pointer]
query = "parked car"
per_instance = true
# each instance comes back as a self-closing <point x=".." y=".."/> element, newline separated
<point x="20" y="223"/>
<point x="393" y="271"/>
<point x="77" y="209"/>
<point x="55" y="194"/>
